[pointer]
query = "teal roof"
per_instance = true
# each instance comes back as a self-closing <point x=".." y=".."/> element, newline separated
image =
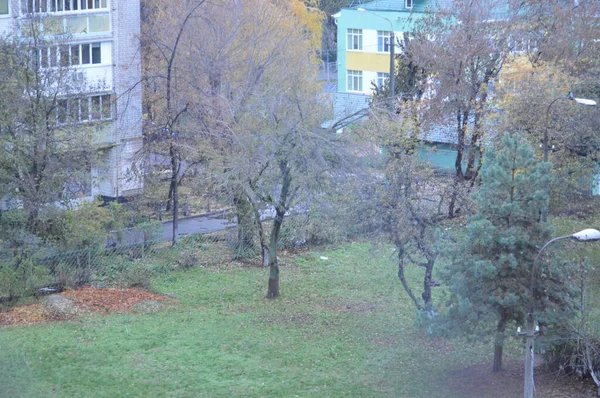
<point x="500" y="9"/>
<point x="398" y="5"/>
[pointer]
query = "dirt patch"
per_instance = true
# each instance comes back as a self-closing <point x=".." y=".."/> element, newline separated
<point x="478" y="381"/>
<point x="88" y="299"/>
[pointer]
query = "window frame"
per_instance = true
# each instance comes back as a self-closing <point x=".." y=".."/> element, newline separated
<point x="408" y="3"/>
<point x="81" y="109"/>
<point x="65" y="6"/>
<point x="83" y="53"/>
<point x="354" y="78"/>
<point x="354" y="38"/>
<point x="382" y="45"/>
<point x="382" y="77"/>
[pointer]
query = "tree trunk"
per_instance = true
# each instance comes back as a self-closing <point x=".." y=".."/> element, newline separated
<point x="497" y="358"/>
<point x="175" y="198"/>
<point x="32" y="217"/>
<point x="280" y="209"/>
<point x="474" y="156"/>
<point x="453" y="198"/>
<point x="427" y="282"/>
<point x="265" y="255"/>
<point x="245" y="219"/>
<point x="402" y="277"/>
<point x="169" y="197"/>
<point x="264" y="247"/>
<point x="273" y="289"/>
<point x="462" y="119"/>
<point x="499" y="344"/>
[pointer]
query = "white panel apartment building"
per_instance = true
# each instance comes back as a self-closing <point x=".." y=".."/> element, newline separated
<point x="103" y="47"/>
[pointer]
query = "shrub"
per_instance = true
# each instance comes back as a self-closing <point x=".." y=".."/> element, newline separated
<point x="136" y="276"/>
<point x="21" y="277"/>
<point x="188" y="258"/>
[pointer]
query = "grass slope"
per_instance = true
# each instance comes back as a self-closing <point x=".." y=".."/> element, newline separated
<point x="343" y="327"/>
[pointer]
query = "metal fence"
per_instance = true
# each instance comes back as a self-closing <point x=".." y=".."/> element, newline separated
<point x="128" y="259"/>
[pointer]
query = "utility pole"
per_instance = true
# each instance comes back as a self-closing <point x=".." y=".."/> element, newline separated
<point x="586" y="235"/>
<point x="392" y="65"/>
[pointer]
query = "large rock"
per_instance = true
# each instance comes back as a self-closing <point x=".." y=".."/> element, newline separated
<point x="60" y="306"/>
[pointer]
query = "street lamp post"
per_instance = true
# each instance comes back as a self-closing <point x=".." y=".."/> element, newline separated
<point x="587" y="235"/>
<point x="392" y="54"/>
<point x="545" y="146"/>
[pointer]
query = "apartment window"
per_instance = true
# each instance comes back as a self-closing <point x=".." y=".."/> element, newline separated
<point x="408" y="3"/>
<point x="82" y="110"/>
<point x="382" y="78"/>
<point x="34" y="6"/>
<point x="355" y="80"/>
<point x="354" y="39"/>
<point x="383" y="41"/>
<point x="3" y="7"/>
<point x="48" y="57"/>
<point x="71" y="55"/>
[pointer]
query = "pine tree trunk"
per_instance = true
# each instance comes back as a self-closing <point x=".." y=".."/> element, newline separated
<point x="499" y="343"/>
<point x="497" y="358"/>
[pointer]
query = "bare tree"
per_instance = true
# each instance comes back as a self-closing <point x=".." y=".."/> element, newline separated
<point x="463" y="48"/>
<point x="411" y="200"/>
<point x="167" y="97"/>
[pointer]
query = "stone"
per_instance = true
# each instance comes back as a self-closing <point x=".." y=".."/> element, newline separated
<point x="60" y="306"/>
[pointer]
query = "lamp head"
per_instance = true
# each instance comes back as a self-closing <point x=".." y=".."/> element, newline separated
<point x="582" y="101"/>
<point x="587" y="235"/>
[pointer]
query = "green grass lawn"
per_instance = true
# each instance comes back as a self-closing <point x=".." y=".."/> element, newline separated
<point x="342" y="327"/>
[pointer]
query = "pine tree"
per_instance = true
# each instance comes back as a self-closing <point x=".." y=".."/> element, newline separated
<point x="489" y="274"/>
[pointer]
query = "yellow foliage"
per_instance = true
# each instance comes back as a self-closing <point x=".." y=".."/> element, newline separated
<point x="311" y="18"/>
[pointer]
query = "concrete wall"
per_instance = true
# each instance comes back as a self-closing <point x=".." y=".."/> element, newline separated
<point x="127" y="78"/>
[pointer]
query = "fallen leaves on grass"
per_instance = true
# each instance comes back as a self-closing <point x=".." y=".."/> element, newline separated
<point x="25" y="315"/>
<point x="88" y="299"/>
<point x="107" y="300"/>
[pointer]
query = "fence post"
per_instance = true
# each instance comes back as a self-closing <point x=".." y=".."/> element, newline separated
<point x="89" y="257"/>
<point x="143" y="247"/>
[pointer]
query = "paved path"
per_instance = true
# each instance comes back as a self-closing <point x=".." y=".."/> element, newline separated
<point x="200" y="224"/>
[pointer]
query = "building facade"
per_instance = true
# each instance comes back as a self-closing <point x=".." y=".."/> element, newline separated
<point x="100" y="41"/>
<point x="364" y="40"/>
<point x="364" y="62"/>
